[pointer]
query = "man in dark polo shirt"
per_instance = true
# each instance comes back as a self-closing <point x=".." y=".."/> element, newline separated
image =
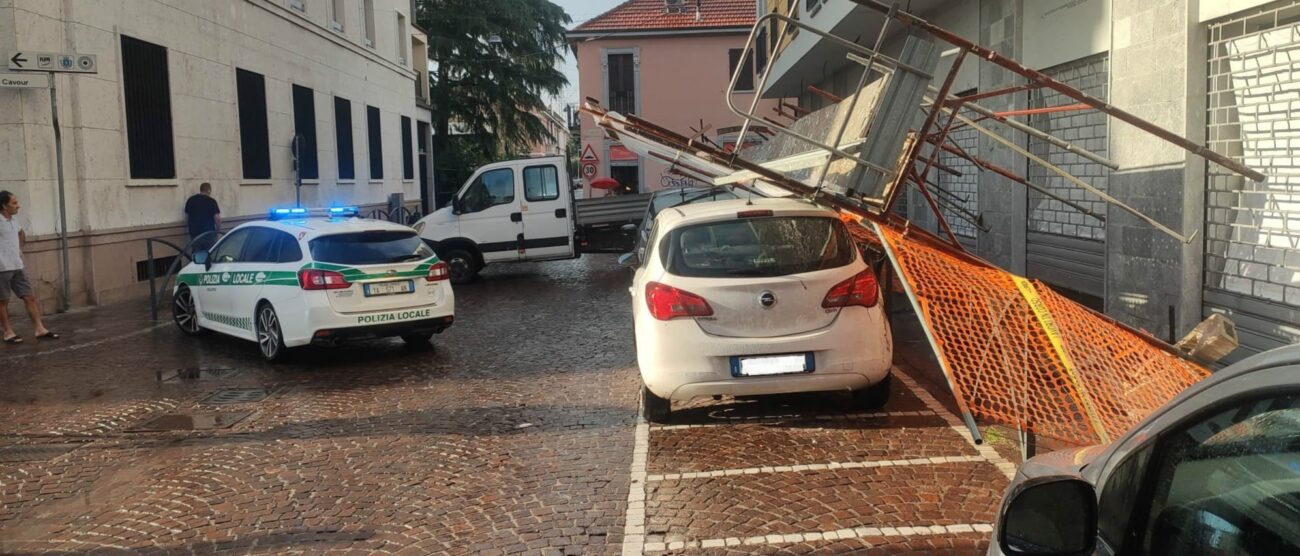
<point x="203" y="214"/>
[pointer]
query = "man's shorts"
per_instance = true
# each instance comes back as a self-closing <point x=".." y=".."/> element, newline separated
<point x="14" y="282"/>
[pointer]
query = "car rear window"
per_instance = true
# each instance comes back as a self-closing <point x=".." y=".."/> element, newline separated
<point x="770" y="246"/>
<point x="378" y="247"/>
<point x="666" y="199"/>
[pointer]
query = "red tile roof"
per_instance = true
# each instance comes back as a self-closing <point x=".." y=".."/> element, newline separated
<point x="649" y="15"/>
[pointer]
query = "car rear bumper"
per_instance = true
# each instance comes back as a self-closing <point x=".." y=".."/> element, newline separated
<point x="679" y="361"/>
<point x="328" y="336"/>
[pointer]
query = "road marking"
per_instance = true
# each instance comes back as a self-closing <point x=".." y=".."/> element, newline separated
<point x="775" y="419"/>
<point x="992" y="456"/>
<point x="84" y="345"/>
<point x="816" y="467"/>
<point x="836" y="535"/>
<point x="634" y="519"/>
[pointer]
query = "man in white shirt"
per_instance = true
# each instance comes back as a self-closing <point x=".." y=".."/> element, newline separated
<point x="13" y="281"/>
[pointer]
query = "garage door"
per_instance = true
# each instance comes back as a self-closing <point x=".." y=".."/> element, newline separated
<point x="1066" y="248"/>
<point x="1252" y="239"/>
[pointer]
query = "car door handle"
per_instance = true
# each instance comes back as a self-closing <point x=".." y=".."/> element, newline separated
<point x="561" y="213"/>
<point x="516" y="217"/>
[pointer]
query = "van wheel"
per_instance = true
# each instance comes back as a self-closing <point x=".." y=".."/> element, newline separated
<point x="463" y="266"/>
<point x="654" y="408"/>
<point x="874" y="397"/>
<point x="270" y="338"/>
<point x="185" y="313"/>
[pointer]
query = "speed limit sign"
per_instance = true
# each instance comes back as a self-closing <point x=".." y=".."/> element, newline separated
<point x="588" y="170"/>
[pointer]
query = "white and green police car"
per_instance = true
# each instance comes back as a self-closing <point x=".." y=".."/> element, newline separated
<point x="315" y="277"/>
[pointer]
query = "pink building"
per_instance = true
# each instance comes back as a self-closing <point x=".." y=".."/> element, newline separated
<point x="668" y="61"/>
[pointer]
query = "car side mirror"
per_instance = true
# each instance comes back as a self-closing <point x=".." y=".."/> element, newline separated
<point x="628" y="228"/>
<point x="456" y="206"/>
<point x="201" y="257"/>
<point x="1049" y="516"/>
<point x="630" y="260"/>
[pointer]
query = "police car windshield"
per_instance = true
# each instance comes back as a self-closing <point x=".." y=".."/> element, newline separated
<point x="377" y="247"/>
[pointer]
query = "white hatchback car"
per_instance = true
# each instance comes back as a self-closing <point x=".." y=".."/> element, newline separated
<point x="304" y="277"/>
<point x="755" y="297"/>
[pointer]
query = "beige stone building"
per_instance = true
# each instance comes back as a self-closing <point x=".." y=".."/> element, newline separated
<point x="192" y="91"/>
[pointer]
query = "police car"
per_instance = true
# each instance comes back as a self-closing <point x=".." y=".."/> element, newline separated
<point x="316" y="276"/>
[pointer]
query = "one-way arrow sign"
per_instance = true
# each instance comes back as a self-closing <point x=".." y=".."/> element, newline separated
<point x="17" y="61"/>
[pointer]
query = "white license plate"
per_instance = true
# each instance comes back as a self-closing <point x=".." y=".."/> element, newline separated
<point x="772" y="365"/>
<point x="389" y="288"/>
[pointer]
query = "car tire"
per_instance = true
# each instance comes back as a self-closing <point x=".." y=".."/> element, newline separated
<point x="875" y="396"/>
<point x="654" y="408"/>
<point x="185" y="312"/>
<point x="270" y="337"/>
<point x="421" y="339"/>
<point x="462" y="265"/>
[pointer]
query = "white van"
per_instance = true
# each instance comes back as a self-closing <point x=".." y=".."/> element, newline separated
<point x="523" y="210"/>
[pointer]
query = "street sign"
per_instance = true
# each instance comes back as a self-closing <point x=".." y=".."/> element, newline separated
<point x="61" y="62"/>
<point x="589" y="155"/>
<point x="24" y="81"/>
<point x="588" y="169"/>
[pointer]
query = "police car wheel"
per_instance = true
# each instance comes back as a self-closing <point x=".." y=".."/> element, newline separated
<point x="184" y="312"/>
<point x="270" y="339"/>
<point x="462" y="265"/>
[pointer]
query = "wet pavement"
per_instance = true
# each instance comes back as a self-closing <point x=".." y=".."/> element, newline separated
<point x="516" y="433"/>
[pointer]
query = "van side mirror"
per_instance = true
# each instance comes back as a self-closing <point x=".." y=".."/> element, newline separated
<point x="201" y="257"/>
<point x="628" y="229"/>
<point x="1049" y="516"/>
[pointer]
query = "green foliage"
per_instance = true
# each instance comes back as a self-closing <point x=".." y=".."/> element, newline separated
<point x="494" y="63"/>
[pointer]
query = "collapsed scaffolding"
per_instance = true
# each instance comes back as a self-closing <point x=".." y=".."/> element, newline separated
<point x="1012" y="350"/>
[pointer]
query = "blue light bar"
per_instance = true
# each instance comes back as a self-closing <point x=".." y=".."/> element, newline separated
<point x="298" y="212"/>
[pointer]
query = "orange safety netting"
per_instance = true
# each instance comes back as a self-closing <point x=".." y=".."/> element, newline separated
<point x="1018" y="353"/>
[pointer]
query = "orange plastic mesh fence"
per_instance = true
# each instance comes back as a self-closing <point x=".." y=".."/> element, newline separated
<point x="1018" y="353"/>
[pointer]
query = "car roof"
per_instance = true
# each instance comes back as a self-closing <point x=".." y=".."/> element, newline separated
<point x="315" y="226"/>
<point x="717" y="210"/>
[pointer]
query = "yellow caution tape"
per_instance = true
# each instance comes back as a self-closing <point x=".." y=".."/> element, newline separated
<point x="1054" y="336"/>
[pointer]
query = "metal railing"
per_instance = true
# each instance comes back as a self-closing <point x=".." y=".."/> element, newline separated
<point x="185" y="254"/>
<point x="401" y="215"/>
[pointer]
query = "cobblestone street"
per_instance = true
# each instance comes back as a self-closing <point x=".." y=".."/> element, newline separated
<point x="517" y="433"/>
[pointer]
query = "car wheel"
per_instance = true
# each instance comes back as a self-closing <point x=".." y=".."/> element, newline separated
<point x="270" y="339"/>
<point x="418" y="339"/>
<point x="462" y="264"/>
<point x="185" y="313"/>
<point x="654" y="408"/>
<point x="874" y="396"/>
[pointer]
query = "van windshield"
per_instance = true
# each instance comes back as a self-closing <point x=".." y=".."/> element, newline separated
<point x="772" y="246"/>
<point x="377" y="247"/>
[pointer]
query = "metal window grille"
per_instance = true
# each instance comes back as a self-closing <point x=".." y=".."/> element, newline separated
<point x="304" y="126"/>
<point x="408" y="162"/>
<point x="254" y="141"/>
<point x="1084" y="128"/>
<point x="146" y="89"/>
<point x="376" y="143"/>
<point x="343" y="139"/>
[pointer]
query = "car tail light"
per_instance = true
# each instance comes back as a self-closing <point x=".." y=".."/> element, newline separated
<point x="859" y="290"/>
<point x="322" y="280"/>
<point x="667" y="302"/>
<point x="438" y="272"/>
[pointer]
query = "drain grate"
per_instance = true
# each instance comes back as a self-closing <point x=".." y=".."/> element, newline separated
<point x="235" y="395"/>
<point x="34" y="452"/>
<point x="198" y="421"/>
<point x="197" y="373"/>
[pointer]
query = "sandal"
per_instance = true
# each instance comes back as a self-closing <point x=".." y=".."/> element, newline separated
<point x="15" y="339"/>
<point x="48" y="335"/>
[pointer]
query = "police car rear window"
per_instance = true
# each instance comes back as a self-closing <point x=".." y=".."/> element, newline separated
<point x="378" y="247"/>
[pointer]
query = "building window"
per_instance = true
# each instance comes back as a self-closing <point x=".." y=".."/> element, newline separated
<point x="304" y="128"/>
<point x="761" y="55"/>
<point x="746" y="81"/>
<point x="368" y="16"/>
<point x="401" y="38"/>
<point x="376" y="143"/>
<point x="298" y="5"/>
<point x="811" y="6"/>
<point x="408" y="162"/>
<point x="148" y="110"/>
<point x="343" y="139"/>
<point x="254" y="140"/>
<point x="622" y="83"/>
<point x="338" y="10"/>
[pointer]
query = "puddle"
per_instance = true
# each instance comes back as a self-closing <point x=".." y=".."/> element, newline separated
<point x="34" y="452"/>
<point x="199" y="421"/>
